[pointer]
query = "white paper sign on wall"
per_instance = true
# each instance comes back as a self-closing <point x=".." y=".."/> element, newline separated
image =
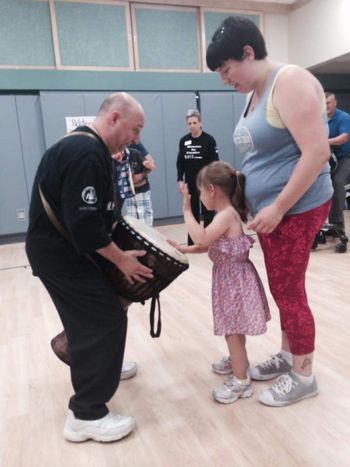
<point x="74" y="122"/>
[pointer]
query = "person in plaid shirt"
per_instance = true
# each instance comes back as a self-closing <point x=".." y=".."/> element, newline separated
<point x="141" y="163"/>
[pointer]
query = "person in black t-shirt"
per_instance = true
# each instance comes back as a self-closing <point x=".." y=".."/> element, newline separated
<point x="75" y="178"/>
<point x="196" y="149"/>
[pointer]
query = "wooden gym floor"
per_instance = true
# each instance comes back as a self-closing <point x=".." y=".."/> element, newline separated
<point x="178" y="423"/>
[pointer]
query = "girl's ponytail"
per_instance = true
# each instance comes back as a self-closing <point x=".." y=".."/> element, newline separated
<point x="238" y="195"/>
<point x="231" y="182"/>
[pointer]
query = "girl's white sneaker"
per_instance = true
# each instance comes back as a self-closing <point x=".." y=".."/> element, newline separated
<point x="232" y="390"/>
<point x="223" y="366"/>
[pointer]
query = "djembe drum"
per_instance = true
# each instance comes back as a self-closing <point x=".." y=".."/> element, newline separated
<point x="166" y="262"/>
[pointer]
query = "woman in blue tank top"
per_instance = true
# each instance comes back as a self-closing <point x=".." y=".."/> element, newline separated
<point x="282" y="135"/>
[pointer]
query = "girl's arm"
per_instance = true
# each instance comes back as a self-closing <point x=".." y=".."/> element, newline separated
<point x="187" y="249"/>
<point x="203" y="237"/>
<point x="298" y="96"/>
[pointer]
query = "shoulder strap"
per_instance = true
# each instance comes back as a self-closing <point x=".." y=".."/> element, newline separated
<point x="51" y="215"/>
<point x="155" y="332"/>
<point x="272" y="114"/>
<point x="80" y="133"/>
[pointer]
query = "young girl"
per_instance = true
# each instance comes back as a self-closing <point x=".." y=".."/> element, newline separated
<point x="239" y="303"/>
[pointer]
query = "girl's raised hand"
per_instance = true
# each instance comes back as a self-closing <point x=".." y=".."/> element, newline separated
<point x="186" y="197"/>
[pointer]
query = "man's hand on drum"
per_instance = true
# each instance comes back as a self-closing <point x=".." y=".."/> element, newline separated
<point x="133" y="270"/>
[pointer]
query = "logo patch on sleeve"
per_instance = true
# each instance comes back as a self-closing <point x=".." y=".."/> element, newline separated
<point x="89" y="195"/>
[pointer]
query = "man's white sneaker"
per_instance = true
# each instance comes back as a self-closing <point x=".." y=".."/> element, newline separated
<point x="111" y="427"/>
<point x="129" y="369"/>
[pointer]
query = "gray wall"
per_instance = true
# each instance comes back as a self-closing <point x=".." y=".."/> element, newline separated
<point x="31" y="123"/>
<point x="21" y="143"/>
<point x="220" y="114"/>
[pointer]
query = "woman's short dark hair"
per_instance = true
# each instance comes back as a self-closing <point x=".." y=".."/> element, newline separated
<point x="230" y="38"/>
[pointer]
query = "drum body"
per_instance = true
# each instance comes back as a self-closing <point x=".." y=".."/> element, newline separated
<point x="165" y="261"/>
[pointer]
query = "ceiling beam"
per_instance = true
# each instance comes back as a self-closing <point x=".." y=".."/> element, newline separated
<point x="298" y="4"/>
<point x="241" y="5"/>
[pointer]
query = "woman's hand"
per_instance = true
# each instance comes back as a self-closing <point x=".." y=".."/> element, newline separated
<point x="266" y="220"/>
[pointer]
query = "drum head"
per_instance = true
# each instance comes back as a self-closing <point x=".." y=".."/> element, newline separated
<point x="155" y="238"/>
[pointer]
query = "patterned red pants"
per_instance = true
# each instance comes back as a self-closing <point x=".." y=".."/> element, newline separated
<point x="286" y="252"/>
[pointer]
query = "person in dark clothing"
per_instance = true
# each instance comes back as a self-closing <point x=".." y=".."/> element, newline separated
<point x="339" y="140"/>
<point x="141" y="163"/>
<point x="196" y="150"/>
<point x="75" y="179"/>
<point x="122" y="178"/>
<point x="132" y="185"/>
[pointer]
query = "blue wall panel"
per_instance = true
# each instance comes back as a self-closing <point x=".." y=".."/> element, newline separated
<point x="55" y="107"/>
<point x="31" y="134"/>
<point x="92" y="35"/>
<point x="26" y="37"/>
<point x="12" y="181"/>
<point x="220" y="114"/>
<point x="167" y="39"/>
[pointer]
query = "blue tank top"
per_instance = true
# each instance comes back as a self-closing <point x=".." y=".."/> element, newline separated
<point x="270" y="156"/>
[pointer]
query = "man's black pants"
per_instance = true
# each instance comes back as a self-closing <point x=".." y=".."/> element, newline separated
<point x="339" y="180"/>
<point x="96" y="326"/>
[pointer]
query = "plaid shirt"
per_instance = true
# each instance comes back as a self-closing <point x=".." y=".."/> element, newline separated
<point x="122" y="178"/>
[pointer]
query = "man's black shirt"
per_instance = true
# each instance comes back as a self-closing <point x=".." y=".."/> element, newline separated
<point x="75" y="176"/>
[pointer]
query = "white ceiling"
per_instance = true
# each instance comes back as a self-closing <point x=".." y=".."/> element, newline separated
<point x="338" y="66"/>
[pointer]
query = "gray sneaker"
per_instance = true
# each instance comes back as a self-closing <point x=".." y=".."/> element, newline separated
<point x="287" y="390"/>
<point x="270" y="369"/>
<point x="223" y="366"/>
<point x="232" y="390"/>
